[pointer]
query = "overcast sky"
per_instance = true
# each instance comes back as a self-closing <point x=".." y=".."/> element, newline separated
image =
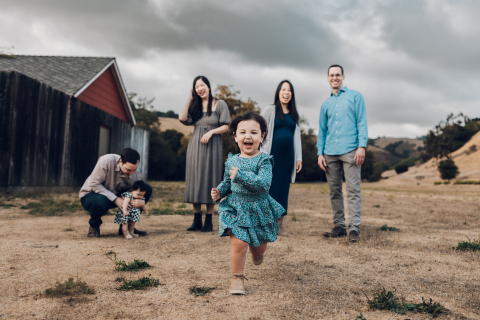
<point x="414" y="61"/>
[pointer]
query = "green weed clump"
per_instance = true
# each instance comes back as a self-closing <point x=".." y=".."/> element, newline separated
<point x="446" y="182"/>
<point x="70" y="288"/>
<point x="50" y="207"/>
<point x="376" y="206"/>
<point x="387" y="228"/>
<point x="121" y="265"/>
<point x="433" y="309"/>
<point x="472" y="245"/>
<point x="386" y="300"/>
<point x="201" y="291"/>
<point x="437" y="183"/>
<point x="467" y="182"/>
<point x="139" y="284"/>
<point x="360" y="317"/>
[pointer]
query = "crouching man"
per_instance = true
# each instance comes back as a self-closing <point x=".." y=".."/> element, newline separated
<point x="113" y="174"/>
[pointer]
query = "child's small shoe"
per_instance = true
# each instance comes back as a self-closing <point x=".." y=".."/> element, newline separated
<point x="133" y="234"/>
<point x="237" y="286"/>
<point x="127" y="235"/>
<point x="281" y="232"/>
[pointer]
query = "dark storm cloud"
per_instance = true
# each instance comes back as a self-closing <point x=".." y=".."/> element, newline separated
<point x="267" y="33"/>
<point x="444" y="35"/>
<point x="414" y="61"/>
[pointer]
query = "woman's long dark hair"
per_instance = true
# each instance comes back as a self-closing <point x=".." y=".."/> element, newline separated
<point x="195" y="110"/>
<point x="292" y="106"/>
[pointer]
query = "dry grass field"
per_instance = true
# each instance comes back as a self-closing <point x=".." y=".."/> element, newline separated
<point x="304" y="276"/>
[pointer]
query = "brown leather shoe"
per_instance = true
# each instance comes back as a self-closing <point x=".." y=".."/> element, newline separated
<point x="257" y="260"/>
<point x="353" y="236"/>
<point x="93" y="232"/>
<point x="336" y="232"/>
<point x="237" y="286"/>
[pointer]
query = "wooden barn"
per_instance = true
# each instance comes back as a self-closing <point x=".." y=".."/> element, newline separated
<point x="57" y="116"/>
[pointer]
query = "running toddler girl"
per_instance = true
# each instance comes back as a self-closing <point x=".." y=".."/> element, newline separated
<point x="249" y="215"/>
<point x="128" y="218"/>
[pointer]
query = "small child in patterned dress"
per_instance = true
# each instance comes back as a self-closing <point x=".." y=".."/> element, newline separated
<point x="127" y="218"/>
<point x="248" y="214"/>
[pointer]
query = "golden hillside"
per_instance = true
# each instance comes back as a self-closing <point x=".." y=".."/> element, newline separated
<point x="467" y="159"/>
<point x="174" y="124"/>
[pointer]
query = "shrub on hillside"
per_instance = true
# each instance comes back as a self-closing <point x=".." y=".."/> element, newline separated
<point x="448" y="169"/>
<point x="371" y="170"/>
<point x="450" y="135"/>
<point x="401" y="168"/>
<point x="378" y="169"/>
<point x="310" y="170"/>
<point x="410" y="161"/>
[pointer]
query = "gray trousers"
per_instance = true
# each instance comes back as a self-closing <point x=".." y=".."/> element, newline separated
<point x="336" y="166"/>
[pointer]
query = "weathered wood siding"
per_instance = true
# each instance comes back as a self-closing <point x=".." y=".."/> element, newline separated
<point x="103" y="94"/>
<point x="33" y="115"/>
<point x="48" y="139"/>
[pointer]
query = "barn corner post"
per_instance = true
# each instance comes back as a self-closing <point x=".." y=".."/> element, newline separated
<point x="146" y="141"/>
<point x="66" y="147"/>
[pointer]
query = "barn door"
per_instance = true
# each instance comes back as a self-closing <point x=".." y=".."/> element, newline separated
<point x="104" y="143"/>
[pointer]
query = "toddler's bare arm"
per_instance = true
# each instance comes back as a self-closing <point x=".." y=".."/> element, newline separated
<point x="126" y="201"/>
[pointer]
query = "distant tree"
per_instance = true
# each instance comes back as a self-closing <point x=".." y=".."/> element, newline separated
<point x="367" y="166"/>
<point x="450" y="135"/>
<point x="164" y="159"/>
<point x="371" y="170"/>
<point x="448" y="169"/>
<point x="401" y="168"/>
<point x="311" y="172"/>
<point x="6" y="52"/>
<point x="168" y="114"/>
<point x="392" y="148"/>
<point x="378" y="169"/>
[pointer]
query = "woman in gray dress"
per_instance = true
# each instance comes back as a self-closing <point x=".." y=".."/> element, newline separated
<point x="204" y="169"/>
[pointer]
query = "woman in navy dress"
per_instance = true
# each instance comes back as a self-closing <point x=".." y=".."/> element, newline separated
<point x="284" y="144"/>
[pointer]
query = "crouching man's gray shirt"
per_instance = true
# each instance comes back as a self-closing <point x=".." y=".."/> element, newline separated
<point x="107" y="179"/>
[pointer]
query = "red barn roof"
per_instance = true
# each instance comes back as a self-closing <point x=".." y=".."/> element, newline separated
<point x="94" y="80"/>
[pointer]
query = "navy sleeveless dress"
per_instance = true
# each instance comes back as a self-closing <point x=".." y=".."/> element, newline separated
<point x="284" y="155"/>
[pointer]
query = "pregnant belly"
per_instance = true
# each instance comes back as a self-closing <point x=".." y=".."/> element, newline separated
<point x="282" y="142"/>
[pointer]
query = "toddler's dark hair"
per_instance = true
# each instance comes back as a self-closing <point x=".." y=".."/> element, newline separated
<point x="250" y="116"/>
<point x="140" y="186"/>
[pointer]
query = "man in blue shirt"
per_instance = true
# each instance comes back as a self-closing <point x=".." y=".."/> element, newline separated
<point x="342" y="139"/>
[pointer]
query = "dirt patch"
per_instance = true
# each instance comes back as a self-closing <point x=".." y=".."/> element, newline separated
<point x="304" y="276"/>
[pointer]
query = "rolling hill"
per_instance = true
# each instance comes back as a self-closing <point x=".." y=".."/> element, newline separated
<point x="174" y="124"/>
<point x="391" y="150"/>
<point x="467" y="159"/>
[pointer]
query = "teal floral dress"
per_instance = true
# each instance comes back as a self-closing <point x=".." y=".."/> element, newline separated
<point x="248" y="211"/>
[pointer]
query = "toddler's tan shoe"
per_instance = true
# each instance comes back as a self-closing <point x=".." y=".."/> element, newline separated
<point x="281" y="231"/>
<point x="237" y="286"/>
<point x="133" y="234"/>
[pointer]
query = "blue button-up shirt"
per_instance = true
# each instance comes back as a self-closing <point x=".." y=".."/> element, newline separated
<point x="343" y="123"/>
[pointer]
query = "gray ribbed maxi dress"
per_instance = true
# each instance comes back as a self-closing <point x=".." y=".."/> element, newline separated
<point x="204" y="169"/>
